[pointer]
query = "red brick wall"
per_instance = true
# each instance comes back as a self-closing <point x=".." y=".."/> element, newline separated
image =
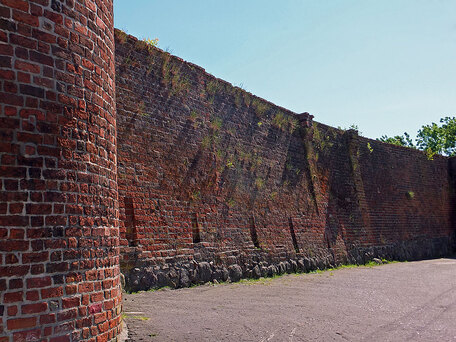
<point x="59" y="254"/>
<point x="216" y="183"/>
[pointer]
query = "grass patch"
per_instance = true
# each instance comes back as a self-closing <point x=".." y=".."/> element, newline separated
<point x="141" y="318"/>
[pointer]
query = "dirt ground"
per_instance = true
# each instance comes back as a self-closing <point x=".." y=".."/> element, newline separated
<point x="412" y="301"/>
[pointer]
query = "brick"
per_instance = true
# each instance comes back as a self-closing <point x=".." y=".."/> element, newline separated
<point x="21" y="323"/>
<point x="34" y="308"/>
<point x="21" y="5"/>
<point x="52" y="292"/>
<point x="12" y="297"/>
<point x="26" y="66"/>
<point x="38" y="282"/>
<point x="70" y="302"/>
<point x="26" y="18"/>
<point x="30" y="335"/>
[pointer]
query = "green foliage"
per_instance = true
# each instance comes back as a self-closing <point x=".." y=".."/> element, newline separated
<point x="230" y="164"/>
<point x="231" y="202"/>
<point x="285" y="122"/>
<point x="150" y="43"/>
<point x="279" y="120"/>
<point x="410" y="194"/>
<point x="195" y="195"/>
<point x="322" y="142"/>
<point x="193" y="115"/>
<point x="173" y="77"/>
<point x="400" y="140"/>
<point x="259" y="183"/>
<point x="260" y="107"/>
<point x="439" y="139"/>
<point x="121" y="36"/>
<point x="212" y="87"/>
<point x="354" y="128"/>
<point x="433" y="139"/>
<point x="206" y="142"/>
<point x="369" y="147"/>
<point x="216" y="123"/>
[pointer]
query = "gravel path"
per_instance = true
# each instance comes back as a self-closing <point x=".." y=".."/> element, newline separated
<point x="413" y="301"/>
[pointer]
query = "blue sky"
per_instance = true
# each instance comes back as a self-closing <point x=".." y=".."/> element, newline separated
<point x="386" y="66"/>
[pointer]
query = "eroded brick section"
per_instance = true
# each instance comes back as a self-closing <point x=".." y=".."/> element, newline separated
<point x="215" y="183"/>
<point x="59" y="254"/>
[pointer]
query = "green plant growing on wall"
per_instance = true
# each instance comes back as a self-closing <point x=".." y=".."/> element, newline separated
<point x="216" y="123"/>
<point x="279" y="120"/>
<point x="212" y="87"/>
<point x="322" y="142"/>
<point x="230" y="164"/>
<point x="256" y="161"/>
<point x="293" y="124"/>
<point x="369" y="148"/>
<point x="151" y="43"/>
<point x="173" y="77"/>
<point x="430" y="153"/>
<point x="410" y="194"/>
<point x="193" y="115"/>
<point x="259" y="183"/>
<point x="260" y="107"/>
<point x="195" y="195"/>
<point x="121" y="36"/>
<point x="231" y="202"/>
<point x="206" y="142"/>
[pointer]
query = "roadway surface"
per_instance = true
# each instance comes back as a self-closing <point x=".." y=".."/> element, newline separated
<point x="412" y="301"/>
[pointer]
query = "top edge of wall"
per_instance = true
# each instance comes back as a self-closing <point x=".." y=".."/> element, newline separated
<point x="132" y="39"/>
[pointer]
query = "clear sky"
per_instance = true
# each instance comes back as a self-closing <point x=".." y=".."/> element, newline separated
<point x="387" y="66"/>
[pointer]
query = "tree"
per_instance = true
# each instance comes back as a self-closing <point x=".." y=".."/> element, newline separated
<point x="433" y="138"/>
<point x="438" y="139"/>
<point x="401" y="140"/>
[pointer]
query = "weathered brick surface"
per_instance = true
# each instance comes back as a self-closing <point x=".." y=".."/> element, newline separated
<point x="215" y="183"/>
<point x="59" y="237"/>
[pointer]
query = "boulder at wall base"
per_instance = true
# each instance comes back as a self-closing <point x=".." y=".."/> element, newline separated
<point x="217" y="274"/>
<point x="281" y="268"/>
<point x="235" y="272"/>
<point x="256" y="272"/>
<point x="272" y="271"/>
<point x="148" y="279"/>
<point x="264" y="271"/>
<point x="204" y="272"/>
<point x="163" y="280"/>
<point x="225" y="274"/>
<point x="184" y="279"/>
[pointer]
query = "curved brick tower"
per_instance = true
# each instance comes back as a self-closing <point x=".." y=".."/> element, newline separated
<point x="59" y="254"/>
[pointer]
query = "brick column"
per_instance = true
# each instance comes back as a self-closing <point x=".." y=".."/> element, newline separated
<point x="59" y="244"/>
